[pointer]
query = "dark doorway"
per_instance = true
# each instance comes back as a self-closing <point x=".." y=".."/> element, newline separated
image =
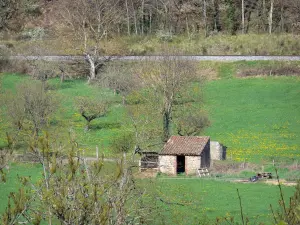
<point x="180" y="164"/>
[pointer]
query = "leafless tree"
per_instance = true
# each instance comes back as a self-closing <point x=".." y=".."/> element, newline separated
<point x="191" y="123"/>
<point x="166" y="76"/>
<point x="32" y="105"/>
<point x="118" y="77"/>
<point x="90" y="22"/>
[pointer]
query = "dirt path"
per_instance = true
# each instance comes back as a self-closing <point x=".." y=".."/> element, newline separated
<point x="270" y="182"/>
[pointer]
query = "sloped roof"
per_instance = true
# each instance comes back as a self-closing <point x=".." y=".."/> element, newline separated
<point x="185" y="145"/>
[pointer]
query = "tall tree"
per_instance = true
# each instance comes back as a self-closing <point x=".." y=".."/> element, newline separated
<point x="166" y="76"/>
<point x="32" y="105"/>
<point x="90" y="22"/>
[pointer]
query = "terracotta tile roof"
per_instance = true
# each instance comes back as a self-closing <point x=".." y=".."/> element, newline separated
<point x="185" y="145"/>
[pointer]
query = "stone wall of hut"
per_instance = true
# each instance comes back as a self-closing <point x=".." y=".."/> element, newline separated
<point x="167" y="164"/>
<point x="216" y="151"/>
<point x="192" y="163"/>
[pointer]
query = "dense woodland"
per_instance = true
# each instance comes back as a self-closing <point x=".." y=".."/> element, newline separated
<point x="146" y="17"/>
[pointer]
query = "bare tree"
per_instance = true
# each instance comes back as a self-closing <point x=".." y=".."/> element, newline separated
<point x="118" y="77"/>
<point x="191" y="123"/>
<point x="32" y="105"/>
<point x="39" y="104"/>
<point x="90" y="22"/>
<point x="166" y="76"/>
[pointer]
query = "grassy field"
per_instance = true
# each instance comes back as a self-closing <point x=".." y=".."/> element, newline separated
<point x="256" y="118"/>
<point x="211" y="199"/>
<point x="197" y="200"/>
<point x="68" y="118"/>
<point x="12" y="184"/>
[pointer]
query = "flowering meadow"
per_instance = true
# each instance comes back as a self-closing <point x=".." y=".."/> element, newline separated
<point x="256" y="119"/>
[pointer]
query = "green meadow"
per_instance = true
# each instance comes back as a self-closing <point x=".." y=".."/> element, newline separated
<point x="193" y="200"/>
<point x="256" y="118"/>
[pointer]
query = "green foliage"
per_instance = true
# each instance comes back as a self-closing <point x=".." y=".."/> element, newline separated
<point x="97" y="197"/>
<point x="123" y="143"/>
<point x="256" y="118"/>
<point x="135" y="98"/>
<point x="289" y="212"/>
<point x="231" y="16"/>
<point x="17" y="203"/>
<point x="91" y="109"/>
<point x="35" y="33"/>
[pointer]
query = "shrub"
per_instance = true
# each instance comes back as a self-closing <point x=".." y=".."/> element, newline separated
<point x="34" y="33"/>
<point x="164" y="36"/>
<point x="123" y="143"/>
<point x="4" y="59"/>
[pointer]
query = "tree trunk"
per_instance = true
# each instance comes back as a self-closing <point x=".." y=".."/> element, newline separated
<point x="87" y="126"/>
<point x="128" y="19"/>
<point x="166" y="125"/>
<point x="248" y="22"/>
<point x="62" y="77"/>
<point x="264" y="15"/>
<point x="205" y="18"/>
<point x="121" y="201"/>
<point x="187" y="26"/>
<point x="143" y="6"/>
<point x="271" y="16"/>
<point x="281" y="16"/>
<point x="243" y="17"/>
<point x="91" y="61"/>
<point x="217" y="25"/>
<point x="135" y="19"/>
<point x="150" y="22"/>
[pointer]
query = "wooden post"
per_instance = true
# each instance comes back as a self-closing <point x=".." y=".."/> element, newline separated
<point x="97" y="152"/>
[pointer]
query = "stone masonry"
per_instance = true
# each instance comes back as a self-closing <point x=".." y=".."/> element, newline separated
<point x="216" y="151"/>
<point x="192" y="163"/>
<point x="167" y="164"/>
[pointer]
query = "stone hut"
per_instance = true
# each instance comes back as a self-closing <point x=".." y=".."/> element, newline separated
<point x="185" y="154"/>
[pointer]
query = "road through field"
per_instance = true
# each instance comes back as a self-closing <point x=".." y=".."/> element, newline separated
<point x="222" y="58"/>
